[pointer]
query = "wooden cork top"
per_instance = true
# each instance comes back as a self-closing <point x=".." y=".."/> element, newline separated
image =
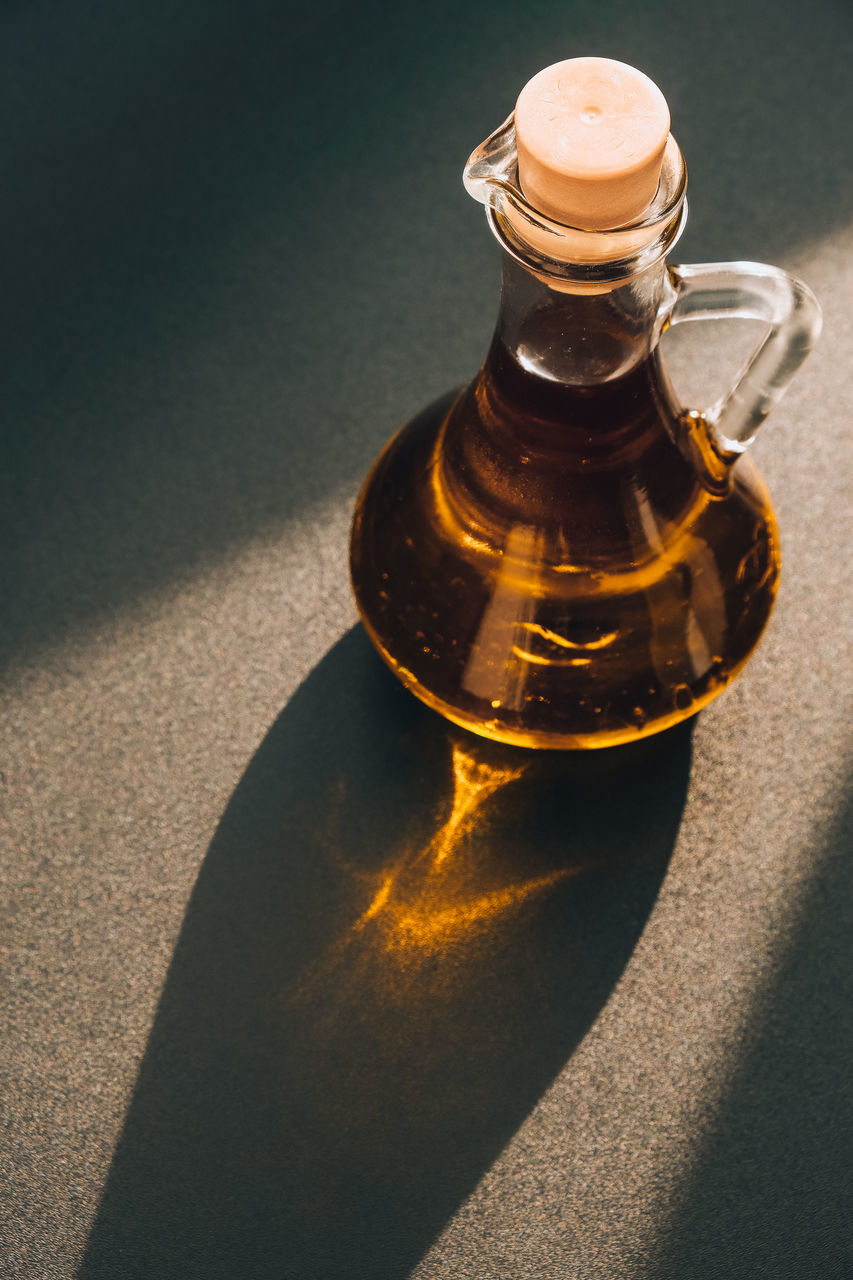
<point x="591" y="134"/>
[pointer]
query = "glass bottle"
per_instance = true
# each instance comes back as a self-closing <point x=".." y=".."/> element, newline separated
<point x="561" y="555"/>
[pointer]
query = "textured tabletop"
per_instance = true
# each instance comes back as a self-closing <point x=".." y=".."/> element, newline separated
<point x="613" y="1039"/>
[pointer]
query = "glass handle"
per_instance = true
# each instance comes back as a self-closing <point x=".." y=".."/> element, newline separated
<point x="749" y="291"/>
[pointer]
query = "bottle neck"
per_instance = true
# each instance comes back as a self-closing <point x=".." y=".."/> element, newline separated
<point x="578" y="307"/>
<point x="579" y="338"/>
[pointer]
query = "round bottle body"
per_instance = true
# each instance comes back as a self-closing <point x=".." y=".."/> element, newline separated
<point x="548" y="566"/>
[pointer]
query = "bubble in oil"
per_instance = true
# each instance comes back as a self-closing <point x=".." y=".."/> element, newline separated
<point x="682" y="698"/>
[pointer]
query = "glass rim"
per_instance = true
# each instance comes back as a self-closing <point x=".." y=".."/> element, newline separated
<point x="574" y="254"/>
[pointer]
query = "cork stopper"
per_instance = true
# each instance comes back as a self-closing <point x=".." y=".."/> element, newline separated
<point x="591" y="135"/>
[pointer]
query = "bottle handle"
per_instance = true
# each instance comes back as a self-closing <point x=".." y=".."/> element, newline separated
<point x="748" y="291"/>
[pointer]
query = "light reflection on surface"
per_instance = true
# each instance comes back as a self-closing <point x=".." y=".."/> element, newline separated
<point x="438" y="895"/>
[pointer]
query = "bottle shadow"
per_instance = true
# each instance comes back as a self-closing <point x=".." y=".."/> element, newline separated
<point x="399" y="935"/>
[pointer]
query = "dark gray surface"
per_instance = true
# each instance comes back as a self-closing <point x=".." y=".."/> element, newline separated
<point x="238" y="254"/>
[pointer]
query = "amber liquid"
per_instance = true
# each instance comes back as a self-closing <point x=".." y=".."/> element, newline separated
<point x="549" y="565"/>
